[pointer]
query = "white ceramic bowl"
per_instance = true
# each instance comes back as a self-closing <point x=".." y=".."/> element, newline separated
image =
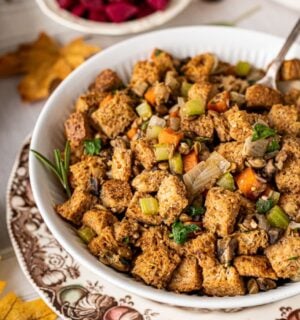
<point x="53" y="11"/>
<point x="229" y="44"/>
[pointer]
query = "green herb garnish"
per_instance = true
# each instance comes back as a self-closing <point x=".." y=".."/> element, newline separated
<point x="195" y="211"/>
<point x="180" y="231"/>
<point x="92" y="147"/>
<point x="263" y="206"/>
<point x="157" y="52"/>
<point x="60" y="167"/>
<point x="126" y="240"/>
<point x="261" y="131"/>
<point x="273" y="146"/>
<point x="293" y="258"/>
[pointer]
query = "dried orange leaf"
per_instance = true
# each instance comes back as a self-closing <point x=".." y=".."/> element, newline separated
<point x="2" y="286"/>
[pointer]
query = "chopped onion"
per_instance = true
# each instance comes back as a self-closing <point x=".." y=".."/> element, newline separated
<point x="206" y="173"/>
<point x="255" y="149"/>
<point x="157" y="121"/>
<point x="294" y="225"/>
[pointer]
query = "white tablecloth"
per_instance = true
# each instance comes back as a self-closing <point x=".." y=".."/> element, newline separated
<point x="21" y="20"/>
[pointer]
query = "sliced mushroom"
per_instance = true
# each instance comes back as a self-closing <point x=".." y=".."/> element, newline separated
<point x="171" y="80"/>
<point x="184" y="148"/>
<point x="255" y="149"/>
<point x="274" y="234"/>
<point x="257" y="163"/>
<point x="266" y="284"/>
<point x="270" y="169"/>
<point x="94" y="186"/>
<point x="237" y="98"/>
<point x="226" y="250"/>
<point x="252" y="286"/>
<point x="249" y="223"/>
<point x="262" y="222"/>
<point x="280" y="159"/>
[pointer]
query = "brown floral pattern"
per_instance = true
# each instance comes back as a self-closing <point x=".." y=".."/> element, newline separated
<point x="61" y="281"/>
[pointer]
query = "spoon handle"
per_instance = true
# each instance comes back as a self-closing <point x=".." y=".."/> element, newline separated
<point x="270" y="78"/>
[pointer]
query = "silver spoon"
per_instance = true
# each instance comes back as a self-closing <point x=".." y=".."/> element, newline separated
<point x="269" y="79"/>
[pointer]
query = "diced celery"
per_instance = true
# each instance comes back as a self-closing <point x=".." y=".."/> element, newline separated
<point x="149" y="205"/>
<point x="144" y="110"/>
<point x="86" y="234"/>
<point x="153" y="131"/>
<point x="226" y="181"/>
<point x="242" y="68"/>
<point x="162" y="151"/>
<point x="194" y="107"/>
<point x="144" y="125"/>
<point x="274" y="195"/>
<point x="278" y="218"/>
<point x="185" y="87"/>
<point x="176" y="164"/>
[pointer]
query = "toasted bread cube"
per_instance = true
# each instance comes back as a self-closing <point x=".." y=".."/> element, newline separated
<point x="285" y="119"/>
<point x="143" y="153"/>
<point x="254" y="266"/>
<point x="290" y="203"/>
<point x="221" y="281"/>
<point x="121" y="164"/>
<point x="232" y="151"/>
<point x="110" y="252"/>
<point x="284" y="257"/>
<point x="90" y="167"/>
<point x="149" y="181"/>
<point x="155" y="266"/>
<point x="288" y="179"/>
<point x="261" y="96"/>
<point x="222" y="208"/>
<point x="203" y="91"/>
<point x="221" y="125"/>
<point x="127" y="230"/>
<point x="172" y="198"/>
<point x="202" y="126"/>
<point x="134" y="211"/>
<point x="204" y="244"/>
<point x="240" y="123"/>
<point x="107" y="80"/>
<point x="74" y="208"/>
<point x="163" y="61"/>
<point x="114" y="114"/>
<point x="199" y="66"/>
<point x="144" y="73"/>
<point x="116" y="195"/>
<point x="77" y="129"/>
<point x="98" y="219"/>
<point x="290" y="69"/>
<point x="187" y="277"/>
<point x="89" y="102"/>
<point x="250" y="242"/>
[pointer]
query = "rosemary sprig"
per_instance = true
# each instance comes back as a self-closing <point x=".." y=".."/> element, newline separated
<point x="60" y="166"/>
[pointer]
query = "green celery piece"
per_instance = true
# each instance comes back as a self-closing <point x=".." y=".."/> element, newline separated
<point x="278" y="218"/>
<point x="194" y="107"/>
<point x="162" y="151"/>
<point x="86" y="234"/>
<point x="226" y="182"/>
<point x="242" y="68"/>
<point x="149" y="205"/>
<point x="176" y="164"/>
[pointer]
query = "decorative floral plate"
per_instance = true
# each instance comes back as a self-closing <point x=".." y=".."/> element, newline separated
<point x="75" y="293"/>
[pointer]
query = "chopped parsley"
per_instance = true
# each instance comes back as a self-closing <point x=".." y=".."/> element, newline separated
<point x="273" y="146"/>
<point x="261" y="131"/>
<point x="157" y="52"/>
<point x="293" y="258"/>
<point x="92" y="147"/>
<point x="126" y="240"/>
<point x="195" y="211"/>
<point x="180" y="232"/>
<point x="263" y="206"/>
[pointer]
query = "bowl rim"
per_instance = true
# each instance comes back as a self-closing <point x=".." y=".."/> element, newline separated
<point x="182" y="300"/>
<point x="65" y="18"/>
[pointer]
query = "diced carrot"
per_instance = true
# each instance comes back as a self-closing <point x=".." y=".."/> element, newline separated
<point x="167" y="135"/>
<point x="250" y="184"/>
<point x="220" y="102"/>
<point x="150" y="96"/>
<point x="190" y="161"/>
<point x="106" y="100"/>
<point x="131" y="133"/>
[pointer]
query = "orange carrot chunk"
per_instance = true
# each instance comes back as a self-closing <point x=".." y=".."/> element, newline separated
<point x="190" y="161"/>
<point x="131" y="133"/>
<point x="168" y="135"/>
<point x="250" y="184"/>
<point x="150" y="96"/>
<point x="220" y="102"/>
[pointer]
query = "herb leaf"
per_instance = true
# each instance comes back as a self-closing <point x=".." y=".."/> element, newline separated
<point x="195" y="211"/>
<point x="180" y="231"/>
<point x="92" y="147"/>
<point x="261" y="131"/>
<point x="293" y="258"/>
<point x="60" y="167"/>
<point x="263" y="206"/>
<point x="273" y="146"/>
